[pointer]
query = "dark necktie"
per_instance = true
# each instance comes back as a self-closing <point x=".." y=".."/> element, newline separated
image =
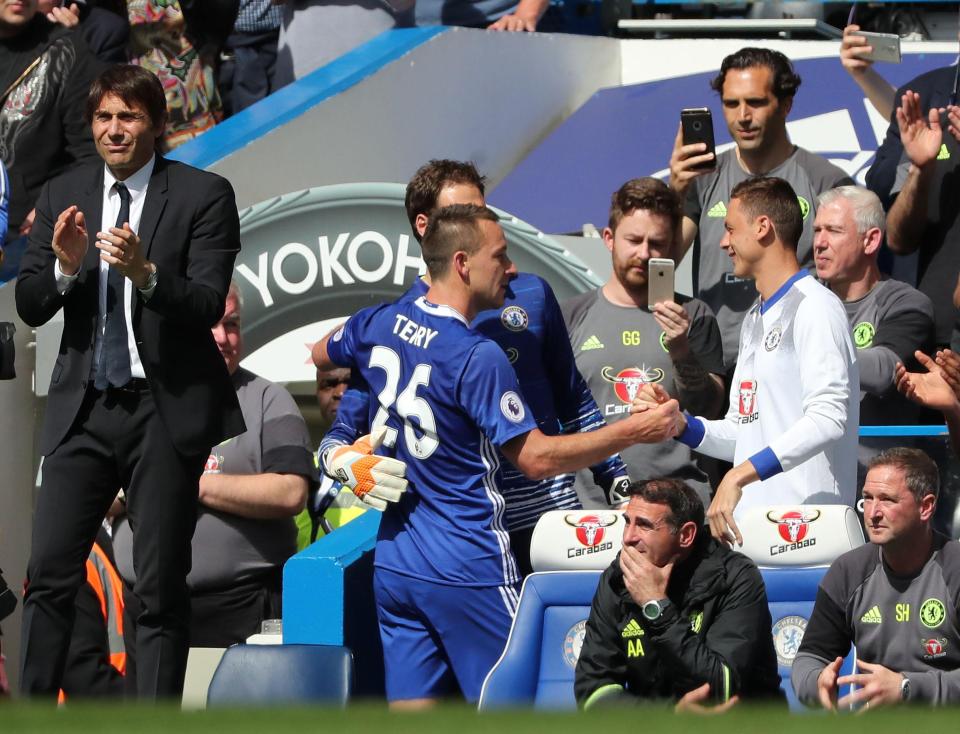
<point x="114" y="367"/>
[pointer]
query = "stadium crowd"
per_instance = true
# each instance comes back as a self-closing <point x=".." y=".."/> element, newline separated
<point x="174" y="480"/>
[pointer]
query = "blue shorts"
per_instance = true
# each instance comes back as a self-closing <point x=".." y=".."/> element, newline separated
<point x="437" y="637"/>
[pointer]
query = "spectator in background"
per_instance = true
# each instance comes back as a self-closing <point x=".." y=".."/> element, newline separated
<point x="620" y="344"/>
<point x="916" y="170"/>
<point x="676" y="609"/>
<point x="160" y="41"/>
<point x="756" y="88"/>
<point x="938" y="388"/>
<point x="895" y="598"/>
<point x="889" y="320"/>
<point x="249" y="59"/>
<point x="495" y="15"/>
<point x="879" y="91"/>
<point x="252" y="487"/>
<point x="330" y="505"/>
<point x="331" y="385"/>
<point x="106" y="33"/>
<point x="45" y="73"/>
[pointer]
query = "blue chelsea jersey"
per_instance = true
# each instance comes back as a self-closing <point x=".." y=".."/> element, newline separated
<point x="530" y="330"/>
<point x="448" y="397"/>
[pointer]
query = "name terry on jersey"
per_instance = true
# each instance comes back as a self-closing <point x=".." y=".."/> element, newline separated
<point x="412" y="333"/>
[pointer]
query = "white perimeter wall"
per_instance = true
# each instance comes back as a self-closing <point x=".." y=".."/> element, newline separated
<point x="464" y="94"/>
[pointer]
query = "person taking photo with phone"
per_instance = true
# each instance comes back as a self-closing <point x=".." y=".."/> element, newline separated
<point x="625" y="334"/>
<point x="756" y="88"/>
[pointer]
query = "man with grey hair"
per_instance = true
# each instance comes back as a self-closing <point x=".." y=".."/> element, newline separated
<point x="896" y="598"/>
<point x="889" y="320"/>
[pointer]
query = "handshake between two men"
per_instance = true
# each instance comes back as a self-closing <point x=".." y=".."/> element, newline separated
<point x="381" y="480"/>
<point x="719" y="515"/>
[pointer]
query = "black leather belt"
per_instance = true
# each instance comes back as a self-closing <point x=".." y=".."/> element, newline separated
<point x="136" y="385"/>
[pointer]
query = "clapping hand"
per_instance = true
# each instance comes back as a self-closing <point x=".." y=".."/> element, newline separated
<point x="69" y="241"/>
<point x="921" y="137"/>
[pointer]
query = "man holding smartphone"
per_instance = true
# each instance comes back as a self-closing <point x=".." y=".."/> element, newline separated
<point x="621" y="340"/>
<point x="756" y="88"/>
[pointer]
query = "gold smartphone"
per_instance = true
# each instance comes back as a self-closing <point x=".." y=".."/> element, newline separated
<point x="659" y="280"/>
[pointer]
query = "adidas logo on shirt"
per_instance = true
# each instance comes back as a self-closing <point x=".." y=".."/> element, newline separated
<point x="718" y="210"/>
<point x="944" y="154"/>
<point x="633" y="629"/>
<point x="873" y="616"/>
<point x="592" y="343"/>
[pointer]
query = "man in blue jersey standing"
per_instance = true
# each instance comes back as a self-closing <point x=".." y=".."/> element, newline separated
<point x="529" y="328"/>
<point x="447" y="398"/>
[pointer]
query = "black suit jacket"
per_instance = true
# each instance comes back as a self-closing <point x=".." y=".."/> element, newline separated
<point x="190" y="230"/>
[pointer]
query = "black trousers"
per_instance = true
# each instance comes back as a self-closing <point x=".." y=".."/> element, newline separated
<point x="117" y="441"/>
<point x="217" y="618"/>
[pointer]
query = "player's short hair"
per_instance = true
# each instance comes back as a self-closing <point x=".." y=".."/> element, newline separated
<point x="920" y="472"/>
<point x="646" y="194"/>
<point x="682" y="500"/>
<point x="775" y="199"/>
<point x="453" y="229"/>
<point x="867" y="210"/>
<point x="430" y="179"/>
<point x="135" y="85"/>
<point x="786" y="81"/>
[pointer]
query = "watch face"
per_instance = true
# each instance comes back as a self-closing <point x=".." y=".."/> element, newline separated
<point x="651" y="610"/>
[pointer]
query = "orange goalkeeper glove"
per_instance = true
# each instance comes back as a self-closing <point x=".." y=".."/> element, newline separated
<point x="375" y="480"/>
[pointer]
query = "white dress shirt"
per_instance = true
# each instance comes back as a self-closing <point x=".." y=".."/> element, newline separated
<point x="137" y="186"/>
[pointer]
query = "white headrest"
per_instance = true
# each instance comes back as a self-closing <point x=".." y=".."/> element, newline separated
<point x="576" y="540"/>
<point x="799" y="535"/>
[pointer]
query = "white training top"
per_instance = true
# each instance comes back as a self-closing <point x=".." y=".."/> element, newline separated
<point x="794" y="402"/>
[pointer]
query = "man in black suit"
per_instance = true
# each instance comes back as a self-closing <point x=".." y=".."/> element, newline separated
<point x="139" y="393"/>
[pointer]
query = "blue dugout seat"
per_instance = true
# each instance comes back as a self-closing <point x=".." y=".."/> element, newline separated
<point x="791" y="593"/>
<point x="263" y="675"/>
<point x="794" y="546"/>
<point x="537" y="665"/>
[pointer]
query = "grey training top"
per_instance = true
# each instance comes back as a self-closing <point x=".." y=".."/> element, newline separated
<point x="707" y="199"/>
<point x="909" y="625"/>
<point x="618" y="348"/>
<point x="888" y="325"/>
<point x="228" y="548"/>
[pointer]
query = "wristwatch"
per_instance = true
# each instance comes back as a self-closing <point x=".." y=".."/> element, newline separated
<point x="905" y="689"/>
<point x="151" y="281"/>
<point x="652" y="610"/>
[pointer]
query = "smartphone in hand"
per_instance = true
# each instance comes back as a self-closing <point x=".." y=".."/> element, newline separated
<point x="696" y="126"/>
<point x="660" y="279"/>
<point x="886" y="47"/>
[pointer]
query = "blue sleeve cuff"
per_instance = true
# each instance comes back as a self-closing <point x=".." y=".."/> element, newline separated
<point x="766" y="463"/>
<point x="693" y="434"/>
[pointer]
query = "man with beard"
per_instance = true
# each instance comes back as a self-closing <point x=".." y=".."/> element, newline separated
<point x="620" y="344"/>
